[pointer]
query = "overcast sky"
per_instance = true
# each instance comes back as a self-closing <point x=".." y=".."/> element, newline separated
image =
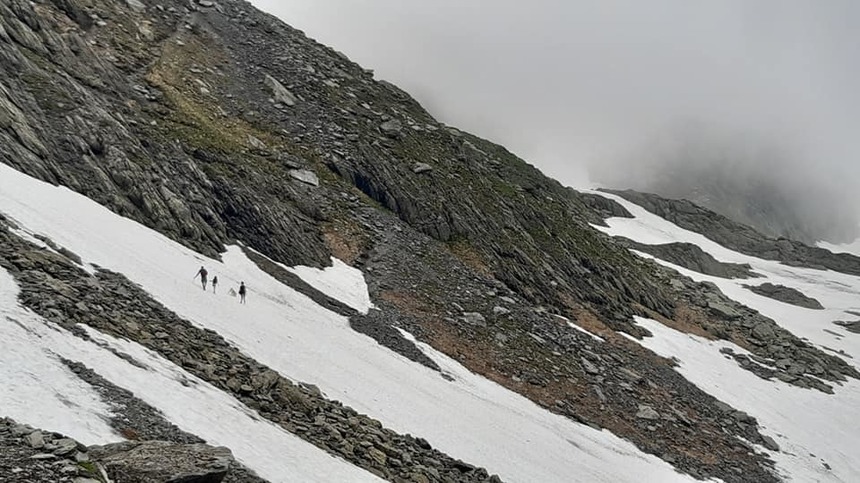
<point x="566" y="83"/>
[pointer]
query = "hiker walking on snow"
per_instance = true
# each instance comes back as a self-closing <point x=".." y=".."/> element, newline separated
<point x="242" y="291"/>
<point x="214" y="283"/>
<point x="202" y="273"/>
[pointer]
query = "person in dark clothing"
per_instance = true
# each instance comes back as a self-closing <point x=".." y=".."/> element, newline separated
<point x="214" y="283"/>
<point x="242" y="291"/>
<point x="202" y="273"/>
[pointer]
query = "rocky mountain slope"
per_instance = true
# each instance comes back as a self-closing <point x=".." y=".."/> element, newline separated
<point x="216" y="124"/>
<point x="742" y="238"/>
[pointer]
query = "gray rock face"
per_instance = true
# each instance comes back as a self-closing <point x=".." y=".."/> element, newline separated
<point x="280" y="93"/>
<point x="723" y="310"/>
<point x="156" y="461"/>
<point x="786" y="294"/>
<point x="849" y="326"/>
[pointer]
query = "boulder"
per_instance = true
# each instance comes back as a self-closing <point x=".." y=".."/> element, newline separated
<point x="474" y="318"/>
<point x="256" y="143"/>
<point x="280" y="93"/>
<point x="36" y="440"/>
<point x="763" y="331"/>
<point x="723" y="310"/>
<point x="647" y="412"/>
<point x="159" y="461"/>
<point x="421" y="168"/>
<point x="769" y="443"/>
<point x="589" y="367"/>
<point x="136" y="5"/>
<point x="392" y="128"/>
<point x="305" y="176"/>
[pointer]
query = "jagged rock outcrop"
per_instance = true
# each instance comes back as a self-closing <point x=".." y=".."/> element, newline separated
<point x="693" y="258"/>
<point x="785" y="294"/>
<point x="775" y="352"/>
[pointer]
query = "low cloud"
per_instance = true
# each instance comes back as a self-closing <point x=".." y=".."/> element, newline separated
<point x="593" y="90"/>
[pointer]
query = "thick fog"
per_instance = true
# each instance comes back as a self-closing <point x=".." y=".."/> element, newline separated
<point x="631" y="93"/>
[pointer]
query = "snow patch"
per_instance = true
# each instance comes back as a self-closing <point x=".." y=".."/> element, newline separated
<point x="813" y="429"/>
<point x="339" y="281"/>
<point x="38" y="389"/>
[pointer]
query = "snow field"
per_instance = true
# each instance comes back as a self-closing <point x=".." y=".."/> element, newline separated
<point x="38" y="389"/>
<point x="44" y="393"/>
<point x="472" y="418"/>
<point x="813" y="429"/>
<point x="339" y="281"/>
